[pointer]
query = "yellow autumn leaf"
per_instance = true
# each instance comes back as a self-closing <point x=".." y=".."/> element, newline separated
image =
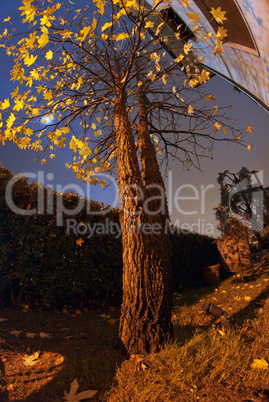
<point x="30" y="41"/>
<point x="5" y="104"/>
<point x="249" y="147"/>
<point x="164" y="78"/>
<point x="187" y="48"/>
<point x="100" y="4"/>
<point x="28" y="61"/>
<point x="210" y="97"/>
<point x="120" y="36"/>
<point x="208" y="36"/>
<point x="247" y="298"/>
<point x="204" y="76"/>
<point x="218" y="15"/>
<point x="222" y="33"/>
<point x="190" y="109"/>
<point x="149" y="24"/>
<point x="249" y="129"/>
<point x="43" y="40"/>
<point x="221" y="332"/>
<point x="185" y="3"/>
<point x="79" y="242"/>
<point x="193" y="17"/>
<point x="179" y="58"/>
<point x="83" y="33"/>
<point x="106" y="25"/>
<point x="7" y="19"/>
<point x="217" y="126"/>
<point x="49" y="55"/>
<point x="260" y="364"/>
<point x="237" y="138"/>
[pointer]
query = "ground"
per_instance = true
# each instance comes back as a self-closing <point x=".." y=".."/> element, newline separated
<point x="42" y="352"/>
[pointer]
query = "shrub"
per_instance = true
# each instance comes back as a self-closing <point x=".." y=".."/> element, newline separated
<point x="42" y="263"/>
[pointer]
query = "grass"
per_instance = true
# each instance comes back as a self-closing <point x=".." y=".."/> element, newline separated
<point x="203" y="363"/>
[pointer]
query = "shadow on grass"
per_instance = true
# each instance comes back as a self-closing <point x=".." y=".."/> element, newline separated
<point x="88" y="343"/>
<point x="250" y="311"/>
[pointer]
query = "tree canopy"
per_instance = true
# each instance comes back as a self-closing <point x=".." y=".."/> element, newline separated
<point x="69" y="62"/>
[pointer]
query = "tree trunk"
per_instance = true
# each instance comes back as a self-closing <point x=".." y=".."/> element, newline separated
<point x="147" y="292"/>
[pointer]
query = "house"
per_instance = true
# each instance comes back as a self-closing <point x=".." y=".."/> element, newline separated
<point x="245" y="62"/>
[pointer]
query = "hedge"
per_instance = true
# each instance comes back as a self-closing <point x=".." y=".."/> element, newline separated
<point x="41" y="263"/>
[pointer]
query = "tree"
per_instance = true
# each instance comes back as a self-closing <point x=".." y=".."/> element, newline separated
<point x="243" y="197"/>
<point x="102" y="83"/>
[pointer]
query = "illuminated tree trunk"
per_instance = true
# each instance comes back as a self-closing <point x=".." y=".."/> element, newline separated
<point x="145" y="322"/>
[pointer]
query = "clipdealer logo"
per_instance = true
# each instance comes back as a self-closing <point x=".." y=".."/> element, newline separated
<point x="53" y="202"/>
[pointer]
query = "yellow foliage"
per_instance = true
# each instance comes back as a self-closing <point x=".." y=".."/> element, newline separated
<point x="222" y="33"/>
<point x="49" y="55"/>
<point x="193" y="17"/>
<point x="217" y="126"/>
<point x="100" y="4"/>
<point x="204" y="76"/>
<point x="5" y="104"/>
<point x="28" y="61"/>
<point x="44" y="38"/>
<point x="190" y="109"/>
<point x="120" y="36"/>
<point x="185" y="3"/>
<point x="106" y="25"/>
<point x="218" y="15"/>
<point x="83" y="33"/>
<point x="187" y="47"/>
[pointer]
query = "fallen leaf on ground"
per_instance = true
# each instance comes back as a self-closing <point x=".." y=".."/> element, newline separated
<point x="221" y="332"/>
<point x="247" y="298"/>
<point x="112" y="321"/>
<point x="31" y="360"/>
<point x="60" y="360"/>
<point x="74" y="397"/>
<point x="260" y="364"/>
<point x="3" y="319"/>
<point x="31" y="334"/>
<point x="44" y="335"/>
<point x="105" y="316"/>
<point x="14" y="332"/>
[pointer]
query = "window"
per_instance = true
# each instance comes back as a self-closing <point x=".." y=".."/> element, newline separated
<point x="177" y="25"/>
<point x="238" y="30"/>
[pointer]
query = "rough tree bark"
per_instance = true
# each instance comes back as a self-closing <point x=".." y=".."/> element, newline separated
<point x="145" y="322"/>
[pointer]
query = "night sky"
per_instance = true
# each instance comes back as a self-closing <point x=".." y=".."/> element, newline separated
<point x="199" y="213"/>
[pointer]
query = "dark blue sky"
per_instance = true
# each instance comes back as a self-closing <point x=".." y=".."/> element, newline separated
<point x="225" y="157"/>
